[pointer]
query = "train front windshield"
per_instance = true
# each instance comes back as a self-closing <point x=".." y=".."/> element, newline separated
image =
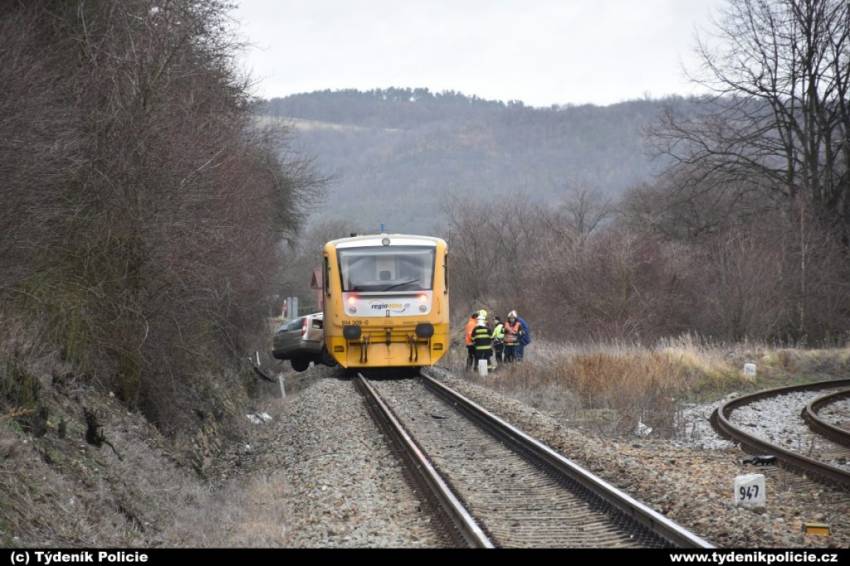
<point x="381" y="269"/>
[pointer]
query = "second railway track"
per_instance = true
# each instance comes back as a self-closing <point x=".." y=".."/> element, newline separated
<point x="499" y="487"/>
<point x="784" y="422"/>
<point x="834" y="426"/>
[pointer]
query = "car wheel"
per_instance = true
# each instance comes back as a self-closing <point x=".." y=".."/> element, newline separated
<point x="326" y="359"/>
<point x="300" y="364"/>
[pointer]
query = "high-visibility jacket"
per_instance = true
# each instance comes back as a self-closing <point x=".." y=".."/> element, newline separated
<point x="499" y="332"/>
<point x="512" y="332"/>
<point x="470" y="324"/>
<point x="481" y="338"/>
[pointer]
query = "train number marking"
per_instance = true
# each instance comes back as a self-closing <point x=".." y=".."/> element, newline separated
<point x="750" y="490"/>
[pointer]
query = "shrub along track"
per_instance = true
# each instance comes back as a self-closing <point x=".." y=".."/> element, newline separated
<point x="779" y="416"/>
<point x="500" y="487"/>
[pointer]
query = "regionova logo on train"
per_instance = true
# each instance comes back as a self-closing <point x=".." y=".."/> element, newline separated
<point x="395" y="308"/>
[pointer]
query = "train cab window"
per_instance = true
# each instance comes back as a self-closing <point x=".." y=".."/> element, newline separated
<point x="381" y="269"/>
<point x="327" y="280"/>
<point x="446" y="274"/>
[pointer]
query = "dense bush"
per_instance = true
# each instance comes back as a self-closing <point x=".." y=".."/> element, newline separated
<point x="142" y="210"/>
<point x="641" y="274"/>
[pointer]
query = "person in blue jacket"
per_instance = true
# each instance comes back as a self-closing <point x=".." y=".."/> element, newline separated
<point x="524" y="338"/>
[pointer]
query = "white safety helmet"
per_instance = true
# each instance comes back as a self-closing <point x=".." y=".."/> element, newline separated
<point x="512" y="314"/>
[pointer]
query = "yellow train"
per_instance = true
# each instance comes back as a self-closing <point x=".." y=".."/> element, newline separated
<point x="386" y="300"/>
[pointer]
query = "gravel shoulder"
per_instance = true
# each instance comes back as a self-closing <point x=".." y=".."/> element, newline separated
<point x="689" y="485"/>
<point x="340" y="485"/>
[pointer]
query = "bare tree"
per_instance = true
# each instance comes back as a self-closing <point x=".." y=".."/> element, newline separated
<point x="778" y="122"/>
<point x="584" y="210"/>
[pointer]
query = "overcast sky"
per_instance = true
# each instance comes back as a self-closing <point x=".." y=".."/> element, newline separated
<point x="539" y="51"/>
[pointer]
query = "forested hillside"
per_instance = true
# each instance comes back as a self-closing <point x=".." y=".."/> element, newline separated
<point x="394" y="155"/>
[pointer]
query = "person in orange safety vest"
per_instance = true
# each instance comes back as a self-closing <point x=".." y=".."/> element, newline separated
<point x="513" y="331"/>
<point x="470" y="345"/>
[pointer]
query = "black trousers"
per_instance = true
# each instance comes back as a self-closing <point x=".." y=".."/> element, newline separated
<point x="483" y="354"/>
<point x="499" y="351"/>
<point x="470" y="357"/>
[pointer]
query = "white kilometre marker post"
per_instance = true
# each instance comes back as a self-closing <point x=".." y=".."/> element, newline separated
<point x="482" y="368"/>
<point x="282" y="386"/>
<point x="750" y="490"/>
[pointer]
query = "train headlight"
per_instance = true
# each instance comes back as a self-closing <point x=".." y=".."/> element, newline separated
<point x="423" y="308"/>
<point x="385" y="242"/>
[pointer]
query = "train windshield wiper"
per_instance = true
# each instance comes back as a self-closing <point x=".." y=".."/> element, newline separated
<point x="394" y="285"/>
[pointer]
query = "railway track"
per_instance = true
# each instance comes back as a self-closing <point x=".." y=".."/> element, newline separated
<point x="785" y="422"/>
<point x="838" y="432"/>
<point x="495" y="486"/>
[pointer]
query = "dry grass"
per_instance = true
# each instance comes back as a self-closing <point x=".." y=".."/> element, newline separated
<point x="610" y="387"/>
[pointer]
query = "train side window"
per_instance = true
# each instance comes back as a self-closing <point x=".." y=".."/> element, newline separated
<point x="446" y="274"/>
<point x="327" y="281"/>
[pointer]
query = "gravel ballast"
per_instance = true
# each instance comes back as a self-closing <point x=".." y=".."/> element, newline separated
<point x="837" y="413"/>
<point x="519" y="504"/>
<point x="691" y="486"/>
<point x="344" y="485"/>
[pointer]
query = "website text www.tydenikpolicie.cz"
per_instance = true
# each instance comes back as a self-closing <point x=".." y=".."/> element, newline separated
<point x="759" y="557"/>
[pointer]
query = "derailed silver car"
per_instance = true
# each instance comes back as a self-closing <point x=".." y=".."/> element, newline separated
<point x="300" y="340"/>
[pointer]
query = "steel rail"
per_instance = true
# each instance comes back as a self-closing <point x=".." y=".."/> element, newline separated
<point x="720" y="419"/>
<point x="816" y="423"/>
<point x="640" y="513"/>
<point x="435" y="487"/>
